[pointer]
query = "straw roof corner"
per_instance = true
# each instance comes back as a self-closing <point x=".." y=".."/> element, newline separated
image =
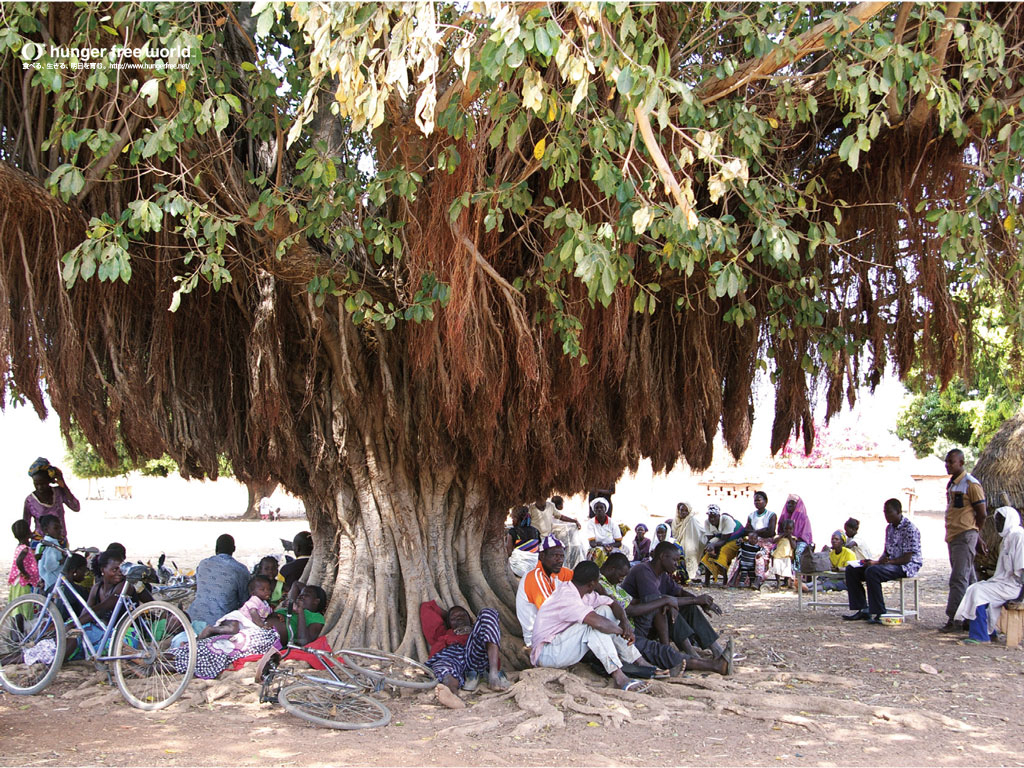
<point x="1000" y="469"/>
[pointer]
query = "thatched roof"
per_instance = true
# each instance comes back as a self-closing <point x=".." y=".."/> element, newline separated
<point x="1001" y="466"/>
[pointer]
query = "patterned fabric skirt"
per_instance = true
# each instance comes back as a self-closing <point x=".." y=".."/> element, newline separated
<point x="457" y="660"/>
<point x="214" y="654"/>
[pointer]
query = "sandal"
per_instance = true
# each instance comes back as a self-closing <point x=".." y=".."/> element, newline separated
<point x="729" y="656"/>
<point x="637" y="686"/>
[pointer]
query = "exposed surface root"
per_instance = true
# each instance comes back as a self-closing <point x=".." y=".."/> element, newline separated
<point x="544" y="698"/>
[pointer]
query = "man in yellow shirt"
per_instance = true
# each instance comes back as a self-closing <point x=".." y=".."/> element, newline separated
<point x="965" y="514"/>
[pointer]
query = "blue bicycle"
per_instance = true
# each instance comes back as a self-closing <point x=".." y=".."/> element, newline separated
<point x="135" y="646"/>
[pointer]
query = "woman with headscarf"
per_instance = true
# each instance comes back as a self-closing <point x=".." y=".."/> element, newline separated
<point x="691" y="534"/>
<point x="802" y="536"/>
<point x="723" y="546"/>
<point x="984" y="600"/>
<point x="50" y="496"/>
<point x="641" y="544"/>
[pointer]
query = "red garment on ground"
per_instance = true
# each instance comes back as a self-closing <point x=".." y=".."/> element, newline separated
<point x="320" y="644"/>
<point x="435" y="630"/>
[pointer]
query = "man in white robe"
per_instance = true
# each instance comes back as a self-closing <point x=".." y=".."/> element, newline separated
<point x="984" y="600"/>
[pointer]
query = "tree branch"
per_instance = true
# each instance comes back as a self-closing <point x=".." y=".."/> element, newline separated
<point x="713" y="89"/>
<point x="669" y="179"/>
<point x="922" y="107"/>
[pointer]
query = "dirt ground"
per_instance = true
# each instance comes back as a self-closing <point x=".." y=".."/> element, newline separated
<point x="813" y="690"/>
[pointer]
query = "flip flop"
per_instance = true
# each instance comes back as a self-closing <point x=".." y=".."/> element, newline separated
<point x="637" y="686"/>
<point x="662" y="674"/>
<point x="728" y="656"/>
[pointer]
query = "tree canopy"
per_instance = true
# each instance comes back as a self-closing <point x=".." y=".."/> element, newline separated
<point x="490" y="250"/>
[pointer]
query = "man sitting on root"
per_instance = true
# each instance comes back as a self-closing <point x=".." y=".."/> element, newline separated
<point x="665" y="612"/>
<point x="575" y="619"/>
<point x="540" y="583"/>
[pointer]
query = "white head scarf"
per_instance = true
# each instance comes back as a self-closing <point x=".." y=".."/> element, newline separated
<point x="1012" y="519"/>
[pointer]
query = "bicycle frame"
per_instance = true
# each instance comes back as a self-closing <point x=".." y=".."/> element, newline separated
<point x="61" y="588"/>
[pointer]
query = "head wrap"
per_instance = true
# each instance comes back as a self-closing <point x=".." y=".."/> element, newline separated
<point x="641" y="527"/>
<point x="841" y="535"/>
<point x="1012" y="519"/>
<point x="550" y="542"/>
<point x="38" y="465"/>
<point x="662" y="527"/>
<point x="600" y="504"/>
<point x="714" y="509"/>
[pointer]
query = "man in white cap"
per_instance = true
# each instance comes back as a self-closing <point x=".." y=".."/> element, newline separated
<point x="540" y="583"/>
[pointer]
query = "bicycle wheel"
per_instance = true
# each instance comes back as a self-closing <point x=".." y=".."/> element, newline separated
<point x="32" y="642"/>
<point x="153" y="675"/>
<point x="331" y="707"/>
<point x="389" y="667"/>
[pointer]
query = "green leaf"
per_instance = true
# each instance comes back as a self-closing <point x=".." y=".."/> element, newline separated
<point x="542" y="42"/>
<point x="624" y="82"/>
<point x="220" y="117"/>
<point x="263" y="24"/>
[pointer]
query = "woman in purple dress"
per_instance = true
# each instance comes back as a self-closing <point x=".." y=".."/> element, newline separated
<point x="50" y="497"/>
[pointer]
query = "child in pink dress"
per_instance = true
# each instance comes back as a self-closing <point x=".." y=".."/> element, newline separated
<point x="25" y="569"/>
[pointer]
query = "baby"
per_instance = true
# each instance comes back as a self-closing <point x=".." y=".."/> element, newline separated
<point x="747" y="557"/>
<point x="254" y="613"/>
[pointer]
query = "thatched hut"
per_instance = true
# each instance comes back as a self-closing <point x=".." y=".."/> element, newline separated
<point x="1000" y="469"/>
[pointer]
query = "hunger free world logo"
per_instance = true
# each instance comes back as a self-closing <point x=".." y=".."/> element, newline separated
<point x="116" y="57"/>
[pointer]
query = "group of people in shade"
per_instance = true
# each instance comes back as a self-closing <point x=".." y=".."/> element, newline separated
<point x="630" y="615"/>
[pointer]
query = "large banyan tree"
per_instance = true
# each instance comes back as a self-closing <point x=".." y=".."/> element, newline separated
<point x="419" y="262"/>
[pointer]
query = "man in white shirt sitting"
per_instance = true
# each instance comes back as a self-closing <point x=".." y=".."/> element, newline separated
<point x="575" y="619"/>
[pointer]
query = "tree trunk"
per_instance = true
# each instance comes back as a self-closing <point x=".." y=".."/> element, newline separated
<point x="391" y="540"/>
<point x="400" y="523"/>
<point x="256" y="491"/>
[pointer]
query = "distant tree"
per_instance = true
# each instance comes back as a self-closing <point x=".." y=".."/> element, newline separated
<point x="971" y="408"/>
<point x="86" y="463"/>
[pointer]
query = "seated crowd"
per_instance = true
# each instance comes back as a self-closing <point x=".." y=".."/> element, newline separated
<point x="580" y="595"/>
<point x="236" y="613"/>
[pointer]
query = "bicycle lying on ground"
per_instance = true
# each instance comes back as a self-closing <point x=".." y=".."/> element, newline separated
<point x="135" y="645"/>
<point x="338" y="699"/>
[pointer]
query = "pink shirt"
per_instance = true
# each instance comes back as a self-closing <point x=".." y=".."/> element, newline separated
<point x="35" y="509"/>
<point x="564" y="608"/>
<point x="16" y="578"/>
<point x="245" y="615"/>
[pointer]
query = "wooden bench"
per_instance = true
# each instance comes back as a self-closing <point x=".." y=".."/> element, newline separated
<point x="815" y="602"/>
<point x="1011" y="622"/>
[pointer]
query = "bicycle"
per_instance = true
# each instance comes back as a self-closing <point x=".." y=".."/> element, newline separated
<point x="33" y="639"/>
<point x="178" y="591"/>
<point x="334" y="702"/>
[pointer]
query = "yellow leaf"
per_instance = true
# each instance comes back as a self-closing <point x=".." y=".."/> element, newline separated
<point x="592" y="724"/>
<point x="1009" y="223"/>
<point x="180" y="86"/>
<point x="538" y="149"/>
<point x="552" y="112"/>
<point x="773" y="122"/>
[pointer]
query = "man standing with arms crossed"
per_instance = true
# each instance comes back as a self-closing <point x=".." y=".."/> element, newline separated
<point x="965" y="514"/>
